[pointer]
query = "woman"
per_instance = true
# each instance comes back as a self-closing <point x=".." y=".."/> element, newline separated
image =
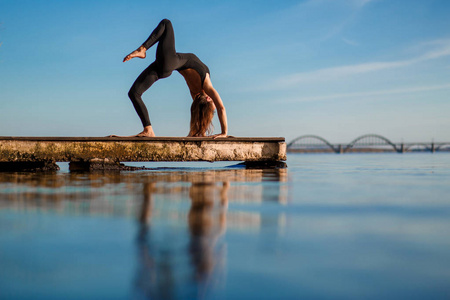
<point x="205" y="98"/>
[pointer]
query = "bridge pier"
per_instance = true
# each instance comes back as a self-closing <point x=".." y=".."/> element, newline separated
<point x="94" y="165"/>
<point x="29" y="166"/>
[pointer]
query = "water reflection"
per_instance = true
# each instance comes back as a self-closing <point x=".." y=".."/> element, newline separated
<point x="206" y="226"/>
<point x="160" y="272"/>
<point x="354" y="227"/>
<point x="181" y="217"/>
<point x="41" y="190"/>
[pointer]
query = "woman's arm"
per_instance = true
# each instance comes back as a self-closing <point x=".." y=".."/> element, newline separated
<point x="221" y="112"/>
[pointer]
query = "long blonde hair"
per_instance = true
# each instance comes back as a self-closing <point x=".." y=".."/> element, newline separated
<point x="202" y="113"/>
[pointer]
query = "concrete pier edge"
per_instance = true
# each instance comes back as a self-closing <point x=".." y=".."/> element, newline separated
<point x="108" y="152"/>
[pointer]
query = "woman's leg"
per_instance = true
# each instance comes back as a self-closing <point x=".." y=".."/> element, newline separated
<point x="167" y="59"/>
<point x="163" y="33"/>
<point x="143" y="83"/>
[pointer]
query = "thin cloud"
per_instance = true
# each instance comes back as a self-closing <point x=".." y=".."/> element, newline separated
<point x="350" y="42"/>
<point x="404" y="90"/>
<point x="358" y="3"/>
<point x="362" y="3"/>
<point x="330" y="27"/>
<point x="334" y="73"/>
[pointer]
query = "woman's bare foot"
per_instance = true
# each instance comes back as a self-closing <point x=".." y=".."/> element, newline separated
<point x="140" y="52"/>
<point x="143" y="134"/>
<point x="147" y="132"/>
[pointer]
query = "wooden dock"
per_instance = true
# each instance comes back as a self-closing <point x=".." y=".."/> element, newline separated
<point x="19" y="152"/>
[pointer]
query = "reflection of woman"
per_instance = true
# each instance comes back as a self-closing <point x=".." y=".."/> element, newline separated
<point x="158" y="263"/>
<point x="204" y="233"/>
<point x="205" y="98"/>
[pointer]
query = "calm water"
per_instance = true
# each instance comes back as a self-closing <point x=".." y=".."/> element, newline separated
<point x="353" y="226"/>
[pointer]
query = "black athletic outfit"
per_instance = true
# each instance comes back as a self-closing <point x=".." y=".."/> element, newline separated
<point x="167" y="60"/>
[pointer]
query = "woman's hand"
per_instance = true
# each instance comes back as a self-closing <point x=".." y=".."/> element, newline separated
<point x="219" y="135"/>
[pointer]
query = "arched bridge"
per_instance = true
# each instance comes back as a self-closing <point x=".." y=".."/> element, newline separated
<point x="364" y="143"/>
<point x="371" y="140"/>
<point x="311" y="142"/>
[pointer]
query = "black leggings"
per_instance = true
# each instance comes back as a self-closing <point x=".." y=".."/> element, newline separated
<point x="167" y="60"/>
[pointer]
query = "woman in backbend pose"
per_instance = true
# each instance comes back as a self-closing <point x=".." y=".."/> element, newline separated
<point x="205" y="98"/>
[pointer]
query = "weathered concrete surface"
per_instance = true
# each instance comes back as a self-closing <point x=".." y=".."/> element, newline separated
<point x="63" y="149"/>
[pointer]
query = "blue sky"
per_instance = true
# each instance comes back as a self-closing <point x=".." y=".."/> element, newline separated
<point x="334" y="68"/>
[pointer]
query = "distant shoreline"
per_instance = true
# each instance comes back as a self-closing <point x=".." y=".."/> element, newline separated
<point x="362" y="150"/>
